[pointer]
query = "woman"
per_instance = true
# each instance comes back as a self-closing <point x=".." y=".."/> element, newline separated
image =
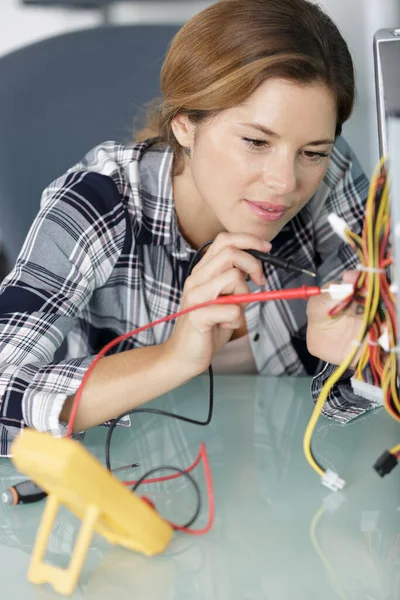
<point x="245" y="150"/>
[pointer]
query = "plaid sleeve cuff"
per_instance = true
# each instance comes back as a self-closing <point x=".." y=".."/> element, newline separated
<point x="42" y="412"/>
<point x="339" y="406"/>
<point x="46" y="414"/>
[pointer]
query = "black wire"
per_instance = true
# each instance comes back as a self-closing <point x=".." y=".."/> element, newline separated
<point x="164" y="413"/>
<point x="197" y="257"/>
<point x="182" y="472"/>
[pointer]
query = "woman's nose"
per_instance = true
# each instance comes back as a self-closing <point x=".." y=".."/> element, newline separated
<point x="280" y="175"/>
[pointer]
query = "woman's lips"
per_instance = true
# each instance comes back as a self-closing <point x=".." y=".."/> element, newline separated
<point x="266" y="210"/>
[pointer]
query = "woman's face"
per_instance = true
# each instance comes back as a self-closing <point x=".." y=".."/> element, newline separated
<point x="254" y="166"/>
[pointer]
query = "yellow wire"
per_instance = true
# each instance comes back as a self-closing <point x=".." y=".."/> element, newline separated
<point x="375" y="236"/>
<point x="380" y="219"/>
<point x="356" y="243"/>
<point x="363" y="361"/>
<point x="331" y="381"/>
<point x="324" y="560"/>
<point x="389" y="380"/>
<point x="375" y="243"/>
<point x="372" y="279"/>
<point x="390" y="370"/>
<point x="393" y="384"/>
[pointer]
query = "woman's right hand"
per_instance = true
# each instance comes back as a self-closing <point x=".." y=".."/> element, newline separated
<point x="222" y="271"/>
<point x="331" y="339"/>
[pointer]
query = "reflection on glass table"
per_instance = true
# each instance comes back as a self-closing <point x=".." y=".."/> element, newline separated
<point x="278" y="533"/>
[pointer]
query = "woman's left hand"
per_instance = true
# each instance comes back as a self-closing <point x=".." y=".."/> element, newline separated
<point x="331" y="338"/>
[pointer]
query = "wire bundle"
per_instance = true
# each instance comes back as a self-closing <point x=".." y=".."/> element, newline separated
<point x="375" y="347"/>
<point x="374" y="251"/>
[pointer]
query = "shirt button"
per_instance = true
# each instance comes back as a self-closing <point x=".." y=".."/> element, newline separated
<point x="256" y="337"/>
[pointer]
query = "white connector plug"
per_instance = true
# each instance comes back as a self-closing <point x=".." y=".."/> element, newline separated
<point x="367" y="390"/>
<point x="339" y="291"/>
<point x="384" y="340"/>
<point x="339" y="226"/>
<point x="334" y="501"/>
<point x="332" y="481"/>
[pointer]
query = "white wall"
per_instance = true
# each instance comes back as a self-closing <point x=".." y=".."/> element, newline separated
<point x="357" y="19"/>
<point x="151" y="10"/>
<point x="20" y="25"/>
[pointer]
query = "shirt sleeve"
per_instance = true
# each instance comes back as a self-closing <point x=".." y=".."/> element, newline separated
<point x="69" y="252"/>
<point x="344" y="192"/>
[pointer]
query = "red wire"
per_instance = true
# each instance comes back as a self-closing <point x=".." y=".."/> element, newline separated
<point x="303" y="292"/>
<point x="168" y="477"/>
<point x="210" y="495"/>
<point x="388" y="404"/>
<point x="372" y="351"/>
<point x="207" y="472"/>
<point x="343" y="304"/>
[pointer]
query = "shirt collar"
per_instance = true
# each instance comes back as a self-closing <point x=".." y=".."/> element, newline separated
<point x="157" y="201"/>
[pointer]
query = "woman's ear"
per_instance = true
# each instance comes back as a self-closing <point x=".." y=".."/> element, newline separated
<point x="184" y="130"/>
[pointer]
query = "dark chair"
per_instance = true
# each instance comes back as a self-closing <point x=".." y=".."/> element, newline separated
<point x="62" y="96"/>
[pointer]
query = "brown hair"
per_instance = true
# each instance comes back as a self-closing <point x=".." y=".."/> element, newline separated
<point x="225" y="52"/>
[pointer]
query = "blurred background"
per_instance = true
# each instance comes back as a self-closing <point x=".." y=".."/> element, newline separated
<point x="25" y="22"/>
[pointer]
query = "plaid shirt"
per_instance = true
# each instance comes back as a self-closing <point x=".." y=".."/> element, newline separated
<point x="105" y="255"/>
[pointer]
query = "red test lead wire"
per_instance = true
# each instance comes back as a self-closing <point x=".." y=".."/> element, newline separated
<point x="301" y="293"/>
<point x="207" y="473"/>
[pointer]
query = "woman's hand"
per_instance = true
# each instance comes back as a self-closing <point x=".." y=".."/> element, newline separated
<point x="331" y="338"/>
<point x="198" y="335"/>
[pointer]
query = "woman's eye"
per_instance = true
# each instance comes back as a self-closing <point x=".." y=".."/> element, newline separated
<point x="254" y="144"/>
<point x="315" y="156"/>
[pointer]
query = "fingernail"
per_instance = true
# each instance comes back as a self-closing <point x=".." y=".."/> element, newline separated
<point x="267" y="245"/>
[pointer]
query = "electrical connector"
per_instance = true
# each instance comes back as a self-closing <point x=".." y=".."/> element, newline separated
<point x="367" y="390"/>
<point x="384" y="341"/>
<point x="339" y="291"/>
<point x="333" y="501"/>
<point x="339" y="226"/>
<point x="385" y="463"/>
<point x="332" y="481"/>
